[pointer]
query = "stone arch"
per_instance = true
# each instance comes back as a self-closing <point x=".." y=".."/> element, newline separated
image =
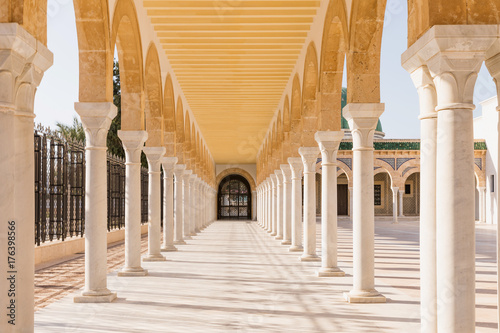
<point x="187" y="140"/>
<point x="381" y="167"/>
<point x="179" y="131"/>
<point x="296" y="118"/>
<point x="309" y="92"/>
<point x="127" y="38"/>
<point x="95" y="52"/>
<point x="333" y="50"/>
<point x="279" y="134"/>
<point x="481" y="181"/>
<point x="363" y="57"/>
<point x="286" y="116"/>
<point x="154" y="98"/>
<point x="236" y="171"/>
<point x="424" y="14"/>
<point x="31" y="15"/>
<point x="169" y="117"/>
<point x="344" y="169"/>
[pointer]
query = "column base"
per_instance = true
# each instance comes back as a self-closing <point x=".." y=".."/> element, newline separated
<point x="180" y="242"/>
<point x="188" y="237"/>
<point x="169" y="248"/>
<point x="286" y="242"/>
<point x="296" y="248"/>
<point x="154" y="257"/>
<point x="278" y="237"/>
<point x="104" y="296"/>
<point x="330" y="272"/>
<point x="364" y="297"/>
<point x="395" y="222"/>
<point x="136" y="271"/>
<point x="309" y="257"/>
<point x="197" y="231"/>
<point x="273" y="234"/>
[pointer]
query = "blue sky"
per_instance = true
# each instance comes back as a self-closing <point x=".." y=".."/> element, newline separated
<point x="59" y="88"/>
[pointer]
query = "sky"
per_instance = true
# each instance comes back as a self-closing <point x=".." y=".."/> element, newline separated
<point x="58" y="91"/>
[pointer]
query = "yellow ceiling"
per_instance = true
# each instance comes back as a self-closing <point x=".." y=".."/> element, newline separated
<point x="233" y="59"/>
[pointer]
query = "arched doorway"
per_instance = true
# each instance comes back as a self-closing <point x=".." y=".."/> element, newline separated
<point x="234" y="199"/>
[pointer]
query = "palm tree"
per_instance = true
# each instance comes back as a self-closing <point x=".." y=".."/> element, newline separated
<point x="73" y="132"/>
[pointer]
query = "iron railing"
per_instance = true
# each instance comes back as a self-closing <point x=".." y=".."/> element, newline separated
<point x="60" y="188"/>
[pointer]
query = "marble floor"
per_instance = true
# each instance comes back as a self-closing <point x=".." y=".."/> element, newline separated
<point x="233" y="277"/>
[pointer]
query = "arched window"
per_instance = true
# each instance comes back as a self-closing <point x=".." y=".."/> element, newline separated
<point x="234" y="199"/>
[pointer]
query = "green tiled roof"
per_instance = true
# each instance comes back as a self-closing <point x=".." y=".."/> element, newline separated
<point x="402" y="145"/>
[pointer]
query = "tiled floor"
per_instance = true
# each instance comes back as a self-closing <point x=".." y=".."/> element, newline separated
<point x="233" y="277"/>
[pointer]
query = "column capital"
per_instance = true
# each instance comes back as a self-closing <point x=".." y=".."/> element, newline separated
<point x="395" y="190"/>
<point x="133" y="142"/>
<point x="273" y="180"/>
<point x="287" y="173"/>
<point x="23" y="63"/>
<point x="328" y="142"/>
<point x="154" y="156"/>
<point x="454" y="55"/>
<point x="363" y="119"/>
<point x="187" y="174"/>
<point x="96" y="119"/>
<point x="279" y="176"/>
<point x="192" y="178"/>
<point x="309" y="158"/>
<point x="296" y="166"/>
<point x="168" y="164"/>
<point x="179" y="171"/>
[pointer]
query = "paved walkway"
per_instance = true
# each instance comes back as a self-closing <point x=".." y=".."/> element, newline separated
<point x="233" y="277"/>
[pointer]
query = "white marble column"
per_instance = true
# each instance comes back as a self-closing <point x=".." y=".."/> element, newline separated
<point x="179" y="170"/>
<point x="258" y="206"/>
<point x="133" y="143"/>
<point x="296" y="166"/>
<point x="154" y="156"/>
<point x="168" y="164"/>
<point x="401" y="193"/>
<point x="279" y="204"/>
<point x="363" y="119"/>
<point x="428" y="145"/>
<point x="254" y="205"/>
<point x="493" y="65"/>
<point x="269" y="224"/>
<point x="351" y="201"/>
<point x="329" y="144"/>
<point x="287" y="204"/>
<point x="309" y="159"/>
<point x="200" y="207"/>
<point x="186" y="196"/>
<point x="482" y="204"/>
<point x="23" y="63"/>
<point x="194" y="208"/>
<point x="274" y="184"/>
<point x="96" y="119"/>
<point x="454" y="55"/>
<point x="395" y="191"/>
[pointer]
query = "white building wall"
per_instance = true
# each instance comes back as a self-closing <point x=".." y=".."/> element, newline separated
<point x="486" y="127"/>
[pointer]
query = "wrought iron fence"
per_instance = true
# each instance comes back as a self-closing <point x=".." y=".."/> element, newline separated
<point x="60" y="188"/>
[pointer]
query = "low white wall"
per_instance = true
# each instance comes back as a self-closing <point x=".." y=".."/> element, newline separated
<point x="52" y="251"/>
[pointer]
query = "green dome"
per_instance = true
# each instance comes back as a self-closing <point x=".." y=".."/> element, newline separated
<point x="343" y="122"/>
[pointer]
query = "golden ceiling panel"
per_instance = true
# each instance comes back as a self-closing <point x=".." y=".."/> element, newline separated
<point x="233" y="59"/>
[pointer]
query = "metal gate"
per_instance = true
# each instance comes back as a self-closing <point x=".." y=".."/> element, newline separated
<point x="234" y="199"/>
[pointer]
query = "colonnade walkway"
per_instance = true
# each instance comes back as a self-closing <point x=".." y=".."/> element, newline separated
<point x="234" y="277"/>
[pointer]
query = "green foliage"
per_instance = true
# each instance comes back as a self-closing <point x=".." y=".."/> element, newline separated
<point x="73" y="132"/>
<point x="114" y="143"/>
